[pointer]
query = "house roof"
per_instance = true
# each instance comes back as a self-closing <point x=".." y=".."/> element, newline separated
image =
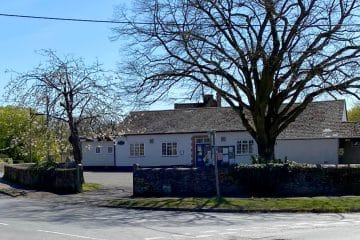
<point x="320" y="120"/>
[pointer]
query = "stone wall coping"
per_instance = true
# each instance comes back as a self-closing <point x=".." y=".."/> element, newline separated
<point x="328" y="166"/>
<point x="27" y="165"/>
<point x="19" y="165"/>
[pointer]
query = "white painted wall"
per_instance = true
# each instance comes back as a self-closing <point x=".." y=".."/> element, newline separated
<point x="231" y="140"/>
<point x="316" y="151"/>
<point x="153" y="153"/>
<point x="91" y="158"/>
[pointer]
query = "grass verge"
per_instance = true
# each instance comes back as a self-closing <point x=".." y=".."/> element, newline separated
<point x="88" y="187"/>
<point x="303" y="204"/>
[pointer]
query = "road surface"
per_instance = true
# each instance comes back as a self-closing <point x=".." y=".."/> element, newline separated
<point x="21" y="218"/>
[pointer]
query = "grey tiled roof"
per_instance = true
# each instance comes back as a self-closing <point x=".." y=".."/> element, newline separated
<point x="319" y="120"/>
<point x="349" y="130"/>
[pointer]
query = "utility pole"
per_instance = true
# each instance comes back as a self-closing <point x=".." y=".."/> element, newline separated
<point x="30" y="135"/>
<point x="213" y="158"/>
<point x="47" y="127"/>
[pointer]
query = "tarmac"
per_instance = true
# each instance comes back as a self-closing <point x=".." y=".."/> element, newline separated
<point x="99" y="197"/>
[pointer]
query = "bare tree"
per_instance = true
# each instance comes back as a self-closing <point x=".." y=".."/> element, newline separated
<point x="67" y="90"/>
<point x="268" y="59"/>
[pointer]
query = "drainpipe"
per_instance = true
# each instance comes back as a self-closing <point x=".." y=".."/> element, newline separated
<point x="115" y="154"/>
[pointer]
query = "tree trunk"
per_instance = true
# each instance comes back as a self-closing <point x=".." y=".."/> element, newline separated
<point x="76" y="147"/>
<point x="266" y="149"/>
<point x="77" y="153"/>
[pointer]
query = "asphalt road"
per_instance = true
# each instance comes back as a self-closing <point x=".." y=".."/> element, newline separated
<point x="21" y="218"/>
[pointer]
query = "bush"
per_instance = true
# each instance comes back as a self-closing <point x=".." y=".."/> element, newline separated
<point x="6" y="160"/>
<point x="44" y="165"/>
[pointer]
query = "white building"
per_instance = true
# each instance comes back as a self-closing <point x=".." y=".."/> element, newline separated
<point x="179" y="137"/>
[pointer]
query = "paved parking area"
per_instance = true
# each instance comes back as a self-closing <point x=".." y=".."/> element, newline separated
<point x="115" y="185"/>
<point x="110" y="179"/>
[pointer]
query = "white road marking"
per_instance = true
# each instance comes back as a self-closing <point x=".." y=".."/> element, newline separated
<point x="70" y="235"/>
<point x="227" y="233"/>
<point x="232" y="229"/>
<point x="139" y="221"/>
<point x="153" y="238"/>
<point x="4" y="224"/>
<point x="178" y="236"/>
<point x="203" y="236"/>
<point x="210" y="231"/>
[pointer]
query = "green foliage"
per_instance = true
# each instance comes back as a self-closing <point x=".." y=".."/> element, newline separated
<point x="6" y="160"/>
<point x="260" y="160"/>
<point x="24" y="136"/>
<point x="354" y="114"/>
<point x="44" y="165"/>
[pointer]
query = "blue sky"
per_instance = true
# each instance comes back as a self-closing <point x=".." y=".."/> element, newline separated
<point x="20" y="38"/>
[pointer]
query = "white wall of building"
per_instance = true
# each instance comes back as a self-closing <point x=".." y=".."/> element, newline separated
<point x="102" y="158"/>
<point x="231" y="139"/>
<point x="316" y="151"/>
<point x="153" y="150"/>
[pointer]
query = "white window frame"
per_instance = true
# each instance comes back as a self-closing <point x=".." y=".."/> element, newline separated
<point x="244" y="147"/>
<point x="137" y="149"/>
<point x="169" y="149"/>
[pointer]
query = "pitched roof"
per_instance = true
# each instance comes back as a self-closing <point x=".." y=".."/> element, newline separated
<point x="349" y="130"/>
<point x="319" y="120"/>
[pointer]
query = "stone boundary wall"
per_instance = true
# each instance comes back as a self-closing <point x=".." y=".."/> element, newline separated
<point x="249" y="180"/>
<point x="60" y="180"/>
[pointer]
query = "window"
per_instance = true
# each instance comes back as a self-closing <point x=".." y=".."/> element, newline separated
<point x="251" y="146"/>
<point x="110" y="149"/>
<point x="245" y="147"/>
<point x="169" y="149"/>
<point x="238" y="147"/>
<point x="204" y="140"/>
<point x="223" y="139"/>
<point x="137" y="150"/>
<point x="97" y="149"/>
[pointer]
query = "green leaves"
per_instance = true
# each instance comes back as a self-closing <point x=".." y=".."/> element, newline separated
<point x="23" y="135"/>
<point x="354" y="114"/>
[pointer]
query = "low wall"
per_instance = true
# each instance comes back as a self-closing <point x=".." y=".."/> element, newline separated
<point x="249" y="180"/>
<point x="63" y="180"/>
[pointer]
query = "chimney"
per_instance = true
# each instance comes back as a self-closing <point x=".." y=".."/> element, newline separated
<point x="207" y="98"/>
<point x="218" y="99"/>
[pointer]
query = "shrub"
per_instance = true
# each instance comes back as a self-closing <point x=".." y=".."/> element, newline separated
<point x="44" y="165"/>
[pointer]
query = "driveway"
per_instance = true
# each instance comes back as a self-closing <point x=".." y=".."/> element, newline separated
<point x="115" y="185"/>
<point x="110" y="179"/>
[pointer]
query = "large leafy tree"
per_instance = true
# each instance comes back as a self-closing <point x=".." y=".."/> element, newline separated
<point x="24" y="136"/>
<point x="67" y="90"/>
<point x="268" y="59"/>
<point x="354" y="114"/>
